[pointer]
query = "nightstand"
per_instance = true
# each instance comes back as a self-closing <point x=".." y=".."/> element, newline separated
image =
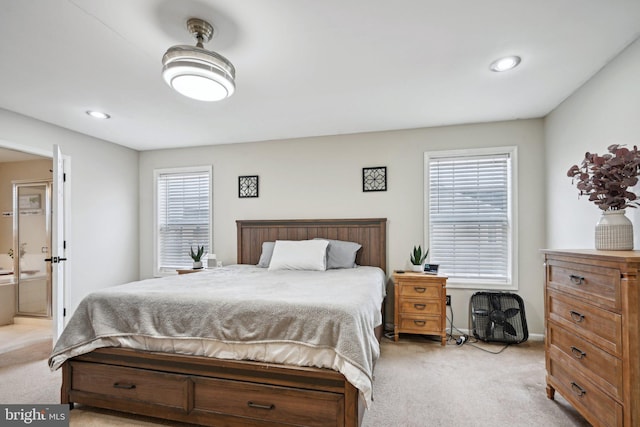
<point x="420" y="304"/>
<point x="189" y="270"/>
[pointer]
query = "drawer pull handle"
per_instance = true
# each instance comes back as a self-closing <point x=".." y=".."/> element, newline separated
<point x="579" y="354"/>
<point x="576" y="280"/>
<point x="419" y="289"/>
<point x="419" y="306"/>
<point x="578" y="390"/>
<point x="259" y="406"/>
<point x="124" y="386"/>
<point x="419" y="322"/>
<point x="577" y="317"/>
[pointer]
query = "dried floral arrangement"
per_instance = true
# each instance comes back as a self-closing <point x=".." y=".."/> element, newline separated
<point x="606" y="179"/>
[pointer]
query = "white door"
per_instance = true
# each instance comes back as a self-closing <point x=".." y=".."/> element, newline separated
<point x="58" y="250"/>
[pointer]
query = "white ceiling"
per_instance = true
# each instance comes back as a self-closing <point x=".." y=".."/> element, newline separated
<point x="304" y="67"/>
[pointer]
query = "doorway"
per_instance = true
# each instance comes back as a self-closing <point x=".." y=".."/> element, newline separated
<point x="52" y="167"/>
<point x="32" y="245"/>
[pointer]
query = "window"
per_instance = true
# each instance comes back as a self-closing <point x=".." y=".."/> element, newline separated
<point x="183" y="215"/>
<point x="470" y="216"/>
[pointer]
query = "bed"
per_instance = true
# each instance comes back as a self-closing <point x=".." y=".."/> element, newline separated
<point x="219" y="391"/>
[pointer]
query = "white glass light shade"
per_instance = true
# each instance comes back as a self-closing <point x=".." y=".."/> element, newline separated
<point x="198" y="73"/>
<point x="504" y="64"/>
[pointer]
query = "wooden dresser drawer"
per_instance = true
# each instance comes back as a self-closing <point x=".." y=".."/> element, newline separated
<point x="598" y="285"/>
<point x="416" y="289"/>
<point x="268" y="403"/>
<point x="131" y="384"/>
<point x="595" y="324"/>
<point x="574" y="352"/>
<point x="593" y="403"/>
<point x="419" y="306"/>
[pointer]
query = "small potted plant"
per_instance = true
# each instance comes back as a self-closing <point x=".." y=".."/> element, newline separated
<point x="196" y="256"/>
<point x="417" y="258"/>
<point x="606" y="180"/>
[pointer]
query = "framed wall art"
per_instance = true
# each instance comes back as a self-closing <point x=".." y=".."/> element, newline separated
<point x="248" y="186"/>
<point x="374" y="179"/>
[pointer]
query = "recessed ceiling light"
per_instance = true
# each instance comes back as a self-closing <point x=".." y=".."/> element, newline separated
<point x="98" y="114"/>
<point x="505" y="64"/>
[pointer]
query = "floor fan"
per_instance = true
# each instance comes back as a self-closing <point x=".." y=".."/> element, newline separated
<point x="498" y="317"/>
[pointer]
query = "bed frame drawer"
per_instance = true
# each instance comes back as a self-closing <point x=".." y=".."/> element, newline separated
<point x="268" y="403"/>
<point x="129" y="384"/>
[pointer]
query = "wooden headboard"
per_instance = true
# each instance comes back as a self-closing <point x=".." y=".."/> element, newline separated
<point x="371" y="233"/>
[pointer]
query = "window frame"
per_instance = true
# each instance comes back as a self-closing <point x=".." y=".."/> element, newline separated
<point x="157" y="270"/>
<point x="511" y="284"/>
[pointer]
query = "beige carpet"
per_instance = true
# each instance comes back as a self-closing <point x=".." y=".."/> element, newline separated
<point x="417" y="383"/>
<point x="20" y="343"/>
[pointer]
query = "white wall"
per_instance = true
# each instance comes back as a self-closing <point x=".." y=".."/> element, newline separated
<point x="103" y="239"/>
<point x="605" y="111"/>
<point x="321" y="178"/>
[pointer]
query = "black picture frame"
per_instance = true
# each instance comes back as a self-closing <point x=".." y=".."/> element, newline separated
<point x="374" y="179"/>
<point x="248" y="186"/>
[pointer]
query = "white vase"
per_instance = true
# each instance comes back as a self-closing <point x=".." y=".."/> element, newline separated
<point x="416" y="268"/>
<point x="614" y="231"/>
<point x="197" y="265"/>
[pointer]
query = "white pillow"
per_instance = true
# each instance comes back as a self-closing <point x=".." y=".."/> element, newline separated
<point x="299" y="255"/>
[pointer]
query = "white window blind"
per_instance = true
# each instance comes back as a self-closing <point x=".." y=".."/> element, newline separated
<point x="469" y="216"/>
<point x="183" y="204"/>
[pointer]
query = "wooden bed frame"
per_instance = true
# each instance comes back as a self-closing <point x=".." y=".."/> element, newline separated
<point x="217" y="392"/>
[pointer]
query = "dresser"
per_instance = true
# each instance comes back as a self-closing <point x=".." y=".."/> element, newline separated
<point x="592" y="342"/>
<point x="420" y="304"/>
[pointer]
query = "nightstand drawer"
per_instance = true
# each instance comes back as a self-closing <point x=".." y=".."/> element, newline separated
<point x="593" y="323"/>
<point x="420" y="324"/>
<point x="421" y="290"/>
<point x="419" y="306"/>
<point x="598" y="285"/>
<point x="574" y="352"/>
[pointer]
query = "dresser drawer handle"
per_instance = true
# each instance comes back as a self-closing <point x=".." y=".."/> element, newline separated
<point x="576" y="280"/>
<point x="578" y="390"/>
<point x="579" y="354"/>
<point x="259" y="406"/>
<point x="420" y="306"/>
<point x="577" y="317"/>
<point x="419" y="289"/>
<point x="124" y="386"/>
<point x="419" y="322"/>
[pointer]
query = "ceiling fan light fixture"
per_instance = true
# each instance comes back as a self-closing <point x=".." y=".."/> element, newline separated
<point x="505" y="64"/>
<point x="196" y="72"/>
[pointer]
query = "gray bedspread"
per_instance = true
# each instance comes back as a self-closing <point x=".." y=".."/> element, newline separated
<point x="331" y="312"/>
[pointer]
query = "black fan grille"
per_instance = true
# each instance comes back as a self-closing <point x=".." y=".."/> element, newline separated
<point x="498" y="317"/>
